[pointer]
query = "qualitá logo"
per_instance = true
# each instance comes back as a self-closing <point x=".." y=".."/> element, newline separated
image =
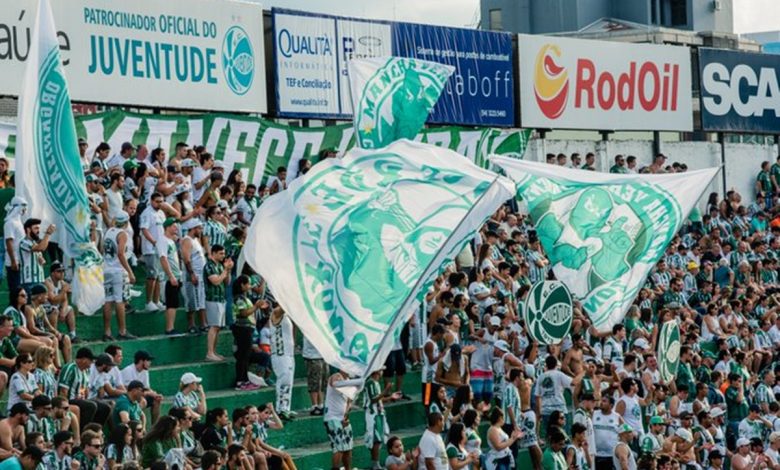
<point x="238" y="60"/>
<point x="551" y="82"/>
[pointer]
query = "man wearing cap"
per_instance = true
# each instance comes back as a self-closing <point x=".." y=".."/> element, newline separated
<point x="116" y="265"/>
<point x="73" y="384"/>
<point x="622" y="456"/>
<point x="128" y="406"/>
<point x="742" y="458"/>
<point x="754" y="425"/>
<point x="680" y="446"/>
<point x="583" y="415"/>
<point x="139" y="371"/>
<point x="57" y="303"/>
<point x="652" y="441"/>
<point x="169" y="260"/>
<point x="717" y="419"/>
<point x="103" y="386"/>
<point x="194" y="284"/>
<point x="191" y="395"/>
<point x="13" y="233"/>
<point x="31" y="247"/>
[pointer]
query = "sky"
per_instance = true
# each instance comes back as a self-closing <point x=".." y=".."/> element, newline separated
<point x="749" y="15"/>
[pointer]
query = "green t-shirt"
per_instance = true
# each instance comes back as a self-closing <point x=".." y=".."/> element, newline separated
<point x="154" y="451"/>
<point x="239" y="304"/>
<point x="766" y="182"/>
<point x="619" y="169"/>
<point x="7" y="349"/>
<point x="553" y="460"/>
<point x="735" y="411"/>
<point x="133" y="410"/>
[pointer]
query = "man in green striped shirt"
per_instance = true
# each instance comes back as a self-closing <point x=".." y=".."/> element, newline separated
<point x="217" y="275"/>
<point x="73" y="385"/>
<point x="764" y="395"/>
<point x="30" y="259"/>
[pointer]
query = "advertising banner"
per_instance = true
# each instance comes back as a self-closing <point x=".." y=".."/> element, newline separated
<point x="257" y="146"/>
<point x="311" y="53"/>
<point x="187" y="54"/>
<point x="581" y="84"/>
<point x="481" y="91"/>
<point x="739" y="91"/>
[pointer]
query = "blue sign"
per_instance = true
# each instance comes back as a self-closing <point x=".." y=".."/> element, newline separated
<point x="739" y="91"/>
<point x="481" y="91"/>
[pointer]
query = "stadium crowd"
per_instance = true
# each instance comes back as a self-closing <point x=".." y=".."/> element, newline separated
<point x="493" y="398"/>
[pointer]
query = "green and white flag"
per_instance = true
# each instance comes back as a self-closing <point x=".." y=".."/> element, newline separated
<point x="48" y="169"/>
<point x="349" y="247"/>
<point x="669" y="351"/>
<point x="602" y="232"/>
<point x="392" y="97"/>
<point x="548" y="312"/>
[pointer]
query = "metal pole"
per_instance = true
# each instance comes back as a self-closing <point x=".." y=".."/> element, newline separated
<point x="722" y="140"/>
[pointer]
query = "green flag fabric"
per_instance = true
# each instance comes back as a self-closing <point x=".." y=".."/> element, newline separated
<point x="602" y="232"/>
<point x="392" y="97"/>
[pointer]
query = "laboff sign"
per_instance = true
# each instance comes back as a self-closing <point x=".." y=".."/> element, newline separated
<point x="581" y="84"/>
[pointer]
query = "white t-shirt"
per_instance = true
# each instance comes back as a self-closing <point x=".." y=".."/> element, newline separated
<point x="14" y="229"/>
<point x="130" y="373"/>
<point x="153" y="221"/>
<point x="550" y="386"/>
<point x="432" y="447"/>
<point x="198" y="175"/>
<point x="309" y="351"/>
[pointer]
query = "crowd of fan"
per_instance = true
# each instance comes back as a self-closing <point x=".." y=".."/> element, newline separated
<point x="595" y="401"/>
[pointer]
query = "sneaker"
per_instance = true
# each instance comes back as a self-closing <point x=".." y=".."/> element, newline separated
<point x="127" y="335"/>
<point x="152" y="307"/>
<point x="285" y="416"/>
<point x="192" y="330"/>
<point x="173" y="333"/>
<point x="108" y="338"/>
<point x="239" y="386"/>
<point x="160" y="306"/>
<point x="74" y="339"/>
<point x="249" y="387"/>
<point x="135" y="293"/>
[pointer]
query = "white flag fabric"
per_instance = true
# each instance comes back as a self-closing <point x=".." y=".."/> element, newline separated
<point x="48" y="167"/>
<point x="603" y="233"/>
<point x="347" y="248"/>
<point x="392" y="97"/>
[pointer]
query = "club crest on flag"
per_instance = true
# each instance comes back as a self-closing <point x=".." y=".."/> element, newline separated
<point x="669" y="350"/>
<point x="548" y="312"/>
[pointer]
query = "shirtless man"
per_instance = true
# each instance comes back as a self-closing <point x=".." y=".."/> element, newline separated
<point x="12" y="431"/>
<point x="573" y="361"/>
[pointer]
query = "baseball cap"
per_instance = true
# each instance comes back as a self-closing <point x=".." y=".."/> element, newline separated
<point x="134" y="385"/>
<point x="57" y="266"/>
<point x="625" y="428"/>
<point x="673" y="305"/>
<point x="684" y="434"/>
<point x="693" y="265"/>
<point x="142" y="355"/>
<point x="121" y="218"/>
<point x="657" y="420"/>
<point x="686" y="415"/>
<point x="92" y="178"/>
<point x="642" y="343"/>
<point x="717" y="412"/>
<point x="490" y="301"/>
<point x="188" y="163"/>
<point x="495" y="321"/>
<point x="190" y="378"/>
<point x="192" y="223"/>
<point x="82" y="141"/>
<point x="501" y="345"/>
<point x="130" y="164"/>
<point x="127" y="146"/>
<point x="743" y="442"/>
<point x="104" y="360"/>
<point x="169" y="221"/>
<point x="219" y="164"/>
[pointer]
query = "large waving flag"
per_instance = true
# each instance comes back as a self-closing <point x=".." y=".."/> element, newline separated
<point x="348" y="248"/>
<point x="48" y="168"/>
<point x="603" y="233"/>
<point x="392" y="97"/>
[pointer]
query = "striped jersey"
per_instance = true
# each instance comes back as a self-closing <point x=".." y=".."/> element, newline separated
<point x="30" y="263"/>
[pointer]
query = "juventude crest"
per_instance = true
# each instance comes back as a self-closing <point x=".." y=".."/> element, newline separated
<point x="363" y="237"/>
<point x="548" y="312"/>
<point x="669" y="351"/>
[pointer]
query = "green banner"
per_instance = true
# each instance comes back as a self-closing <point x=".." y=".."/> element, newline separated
<point x="258" y="146"/>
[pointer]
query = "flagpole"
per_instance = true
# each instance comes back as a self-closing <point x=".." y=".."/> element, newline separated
<point x="409" y="298"/>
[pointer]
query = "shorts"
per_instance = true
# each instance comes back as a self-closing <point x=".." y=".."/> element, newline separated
<point x="417" y="336"/>
<point x="114" y="286"/>
<point x="171" y="295"/>
<point x="194" y="295"/>
<point x="215" y="314"/>
<point x="395" y="364"/>
<point x="482" y="388"/>
<point x="316" y="375"/>
<point x="153" y="267"/>
<point x="340" y="436"/>
<point x="377" y="430"/>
